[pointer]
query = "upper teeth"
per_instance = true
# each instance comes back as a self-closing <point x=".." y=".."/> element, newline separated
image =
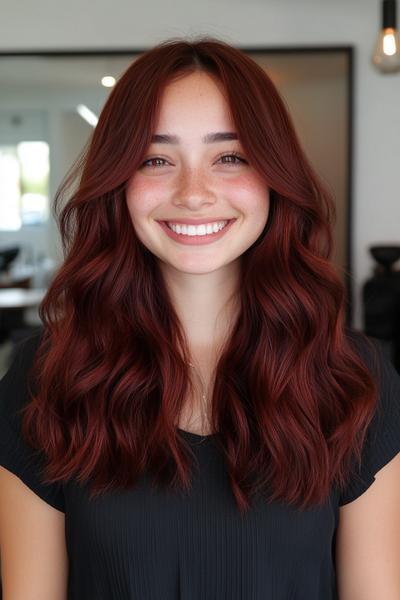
<point x="202" y="229"/>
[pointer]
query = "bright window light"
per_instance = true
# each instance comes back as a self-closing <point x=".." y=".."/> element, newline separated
<point x="24" y="185"/>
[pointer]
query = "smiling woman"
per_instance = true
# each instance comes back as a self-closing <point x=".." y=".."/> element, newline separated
<point x="199" y="236"/>
<point x="195" y="183"/>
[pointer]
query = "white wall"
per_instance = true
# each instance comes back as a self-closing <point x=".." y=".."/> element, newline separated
<point x="52" y="24"/>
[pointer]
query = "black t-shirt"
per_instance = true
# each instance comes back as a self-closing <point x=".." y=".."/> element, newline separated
<point x="144" y="544"/>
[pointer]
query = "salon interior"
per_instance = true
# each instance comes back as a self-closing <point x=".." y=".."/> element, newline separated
<point x="337" y="65"/>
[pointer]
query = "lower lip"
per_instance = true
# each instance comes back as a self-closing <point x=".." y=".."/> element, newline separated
<point x="196" y="240"/>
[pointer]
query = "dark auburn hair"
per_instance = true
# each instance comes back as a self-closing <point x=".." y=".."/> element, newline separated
<point x="292" y="398"/>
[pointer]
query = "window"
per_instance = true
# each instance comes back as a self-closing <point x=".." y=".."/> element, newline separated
<point x="24" y="184"/>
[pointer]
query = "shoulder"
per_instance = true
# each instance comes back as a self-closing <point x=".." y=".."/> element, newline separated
<point x="24" y="350"/>
<point x="16" y="455"/>
<point x="368" y="348"/>
<point x="14" y="385"/>
<point x="382" y="443"/>
<point x="367" y="544"/>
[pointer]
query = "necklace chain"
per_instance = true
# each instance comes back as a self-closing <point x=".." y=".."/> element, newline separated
<point x="204" y="398"/>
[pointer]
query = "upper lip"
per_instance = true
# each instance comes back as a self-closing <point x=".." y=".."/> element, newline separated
<point x="197" y="221"/>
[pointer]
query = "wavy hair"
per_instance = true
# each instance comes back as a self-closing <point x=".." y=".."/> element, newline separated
<point x="292" y="398"/>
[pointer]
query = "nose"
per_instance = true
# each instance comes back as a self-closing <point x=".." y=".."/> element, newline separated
<point x="193" y="189"/>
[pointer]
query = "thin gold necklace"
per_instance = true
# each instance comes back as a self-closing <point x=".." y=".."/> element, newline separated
<point x="205" y="418"/>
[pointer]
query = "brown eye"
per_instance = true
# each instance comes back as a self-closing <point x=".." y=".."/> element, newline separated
<point x="234" y="157"/>
<point x="144" y="164"/>
<point x="237" y="159"/>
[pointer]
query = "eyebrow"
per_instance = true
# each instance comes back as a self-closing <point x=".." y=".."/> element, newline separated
<point x="219" y="136"/>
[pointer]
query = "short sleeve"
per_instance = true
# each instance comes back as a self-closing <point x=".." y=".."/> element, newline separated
<point x="382" y="442"/>
<point x="15" y="454"/>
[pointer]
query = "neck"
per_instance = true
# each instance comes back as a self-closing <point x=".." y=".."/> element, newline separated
<point x="206" y="304"/>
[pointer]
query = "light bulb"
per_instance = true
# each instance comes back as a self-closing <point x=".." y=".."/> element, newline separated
<point x="387" y="51"/>
<point x="386" y="56"/>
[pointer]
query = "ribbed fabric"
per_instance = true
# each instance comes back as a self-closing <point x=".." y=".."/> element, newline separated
<point x="145" y="544"/>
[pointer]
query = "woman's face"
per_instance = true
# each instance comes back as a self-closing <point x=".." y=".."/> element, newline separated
<point x="191" y="179"/>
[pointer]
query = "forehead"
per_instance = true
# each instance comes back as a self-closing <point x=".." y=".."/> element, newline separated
<point x="194" y="102"/>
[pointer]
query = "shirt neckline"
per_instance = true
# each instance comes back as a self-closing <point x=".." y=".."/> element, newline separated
<point x="196" y="436"/>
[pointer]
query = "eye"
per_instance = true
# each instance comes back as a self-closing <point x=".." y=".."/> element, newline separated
<point x="143" y="165"/>
<point x="236" y="156"/>
<point x="237" y="159"/>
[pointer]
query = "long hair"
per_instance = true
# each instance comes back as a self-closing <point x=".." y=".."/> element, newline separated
<point x="292" y="398"/>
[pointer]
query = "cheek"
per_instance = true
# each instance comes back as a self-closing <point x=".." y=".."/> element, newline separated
<point x="140" y="198"/>
<point x="251" y="195"/>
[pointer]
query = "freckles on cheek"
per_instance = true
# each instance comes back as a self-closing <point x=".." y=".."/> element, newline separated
<point x="141" y="198"/>
<point x="247" y="182"/>
<point x="248" y="190"/>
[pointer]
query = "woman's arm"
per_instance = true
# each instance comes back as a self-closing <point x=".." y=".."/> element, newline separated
<point x="368" y="540"/>
<point x="34" y="563"/>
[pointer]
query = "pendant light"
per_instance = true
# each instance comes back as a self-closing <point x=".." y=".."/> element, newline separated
<point x="386" y="55"/>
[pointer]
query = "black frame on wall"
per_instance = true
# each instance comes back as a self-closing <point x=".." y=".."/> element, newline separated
<point x="346" y="50"/>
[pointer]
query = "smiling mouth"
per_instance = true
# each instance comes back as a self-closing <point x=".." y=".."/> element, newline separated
<point x="197" y="230"/>
<point x="200" y="236"/>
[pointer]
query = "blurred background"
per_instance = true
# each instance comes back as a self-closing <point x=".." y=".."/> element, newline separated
<point x="336" y="65"/>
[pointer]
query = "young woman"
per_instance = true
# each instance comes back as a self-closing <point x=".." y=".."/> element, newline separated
<point x="195" y="420"/>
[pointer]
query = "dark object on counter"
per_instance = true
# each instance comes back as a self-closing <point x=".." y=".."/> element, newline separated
<point x="7" y="255"/>
<point x="381" y="300"/>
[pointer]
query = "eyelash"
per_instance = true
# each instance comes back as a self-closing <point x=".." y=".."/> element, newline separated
<point x="235" y="154"/>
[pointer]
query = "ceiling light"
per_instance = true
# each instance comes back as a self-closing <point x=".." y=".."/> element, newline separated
<point x="386" y="56"/>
